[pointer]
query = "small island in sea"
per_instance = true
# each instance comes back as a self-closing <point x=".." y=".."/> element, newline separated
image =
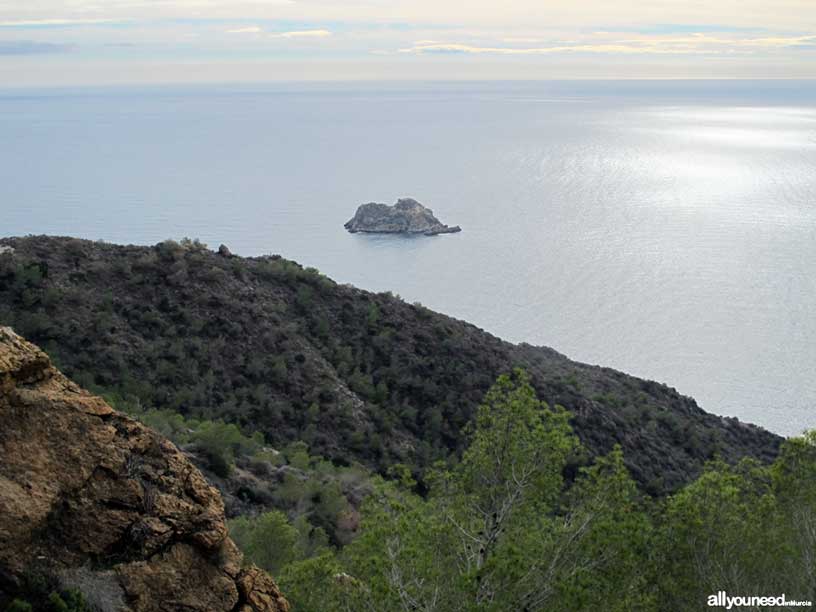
<point x="407" y="216"/>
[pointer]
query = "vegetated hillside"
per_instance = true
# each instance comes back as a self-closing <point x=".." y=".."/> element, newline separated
<point x="283" y="350"/>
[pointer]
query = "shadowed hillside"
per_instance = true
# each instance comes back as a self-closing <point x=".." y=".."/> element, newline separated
<point x="285" y="351"/>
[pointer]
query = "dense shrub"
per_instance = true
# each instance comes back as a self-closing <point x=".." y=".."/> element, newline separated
<point x="267" y="540"/>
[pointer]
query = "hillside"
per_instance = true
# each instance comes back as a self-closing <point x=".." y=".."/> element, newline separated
<point x="287" y="352"/>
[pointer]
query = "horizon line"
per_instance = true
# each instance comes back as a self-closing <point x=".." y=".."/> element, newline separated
<point x="374" y="80"/>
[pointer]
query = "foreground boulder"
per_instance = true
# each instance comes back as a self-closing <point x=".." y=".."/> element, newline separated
<point x="99" y="503"/>
<point x="407" y="216"/>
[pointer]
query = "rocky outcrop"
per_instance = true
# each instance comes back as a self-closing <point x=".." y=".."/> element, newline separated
<point x="407" y="216"/>
<point x="82" y="486"/>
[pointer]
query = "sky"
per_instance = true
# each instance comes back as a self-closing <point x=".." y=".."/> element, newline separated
<point x="100" y="42"/>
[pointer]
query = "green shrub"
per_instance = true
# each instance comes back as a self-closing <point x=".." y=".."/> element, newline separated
<point x="267" y="540"/>
<point x="68" y="601"/>
<point x="222" y="442"/>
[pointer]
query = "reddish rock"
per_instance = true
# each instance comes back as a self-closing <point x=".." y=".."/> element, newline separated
<point x="84" y="486"/>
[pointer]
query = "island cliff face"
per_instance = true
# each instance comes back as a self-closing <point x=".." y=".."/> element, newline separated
<point x="104" y="505"/>
<point x="407" y="216"/>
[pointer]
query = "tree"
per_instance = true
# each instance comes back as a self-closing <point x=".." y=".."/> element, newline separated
<point x="509" y="476"/>
<point x="499" y="530"/>
<point x="794" y="483"/>
<point x="722" y="533"/>
<point x="373" y="316"/>
<point x="598" y="558"/>
<point x="459" y="549"/>
<point x="320" y="584"/>
<point x="404" y="558"/>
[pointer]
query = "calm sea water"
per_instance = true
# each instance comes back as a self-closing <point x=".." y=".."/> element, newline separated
<point x="665" y="229"/>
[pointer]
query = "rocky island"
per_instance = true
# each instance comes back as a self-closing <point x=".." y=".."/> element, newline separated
<point x="407" y="216"/>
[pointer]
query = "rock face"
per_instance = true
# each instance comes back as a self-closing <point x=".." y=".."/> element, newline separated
<point x="407" y="216"/>
<point x="87" y="491"/>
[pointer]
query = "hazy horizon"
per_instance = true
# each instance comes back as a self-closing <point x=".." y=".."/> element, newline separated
<point x="87" y="42"/>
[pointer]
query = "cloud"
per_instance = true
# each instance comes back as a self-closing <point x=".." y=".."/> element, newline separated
<point x="521" y="39"/>
<point x="302" y="34"/>
<point x="57" y="23"/>
<point x="456" y="48"/>
<point x="798" y="41"/>
<point x="686" y="45"/>
<point x="699" y="39"/>
<point x="30" y="47"/>
<point x="290" y="35"/>
<point x="246" y="30"/>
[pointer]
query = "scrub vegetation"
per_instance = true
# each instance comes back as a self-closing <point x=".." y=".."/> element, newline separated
<point x="361" y="378"/>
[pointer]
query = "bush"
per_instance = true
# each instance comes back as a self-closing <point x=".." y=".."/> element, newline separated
<point x="221" y="442"/>
<point x="68" y="601"/>
<point x="267" y="540"/>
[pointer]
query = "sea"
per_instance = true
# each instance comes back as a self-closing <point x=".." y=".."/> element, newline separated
<point x="662" y="228"/>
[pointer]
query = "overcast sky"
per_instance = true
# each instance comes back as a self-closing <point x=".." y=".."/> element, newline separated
<point x="63" y="42"/>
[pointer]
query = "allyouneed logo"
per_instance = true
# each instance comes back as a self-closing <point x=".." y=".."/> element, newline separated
<point x="723" y="600"/>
